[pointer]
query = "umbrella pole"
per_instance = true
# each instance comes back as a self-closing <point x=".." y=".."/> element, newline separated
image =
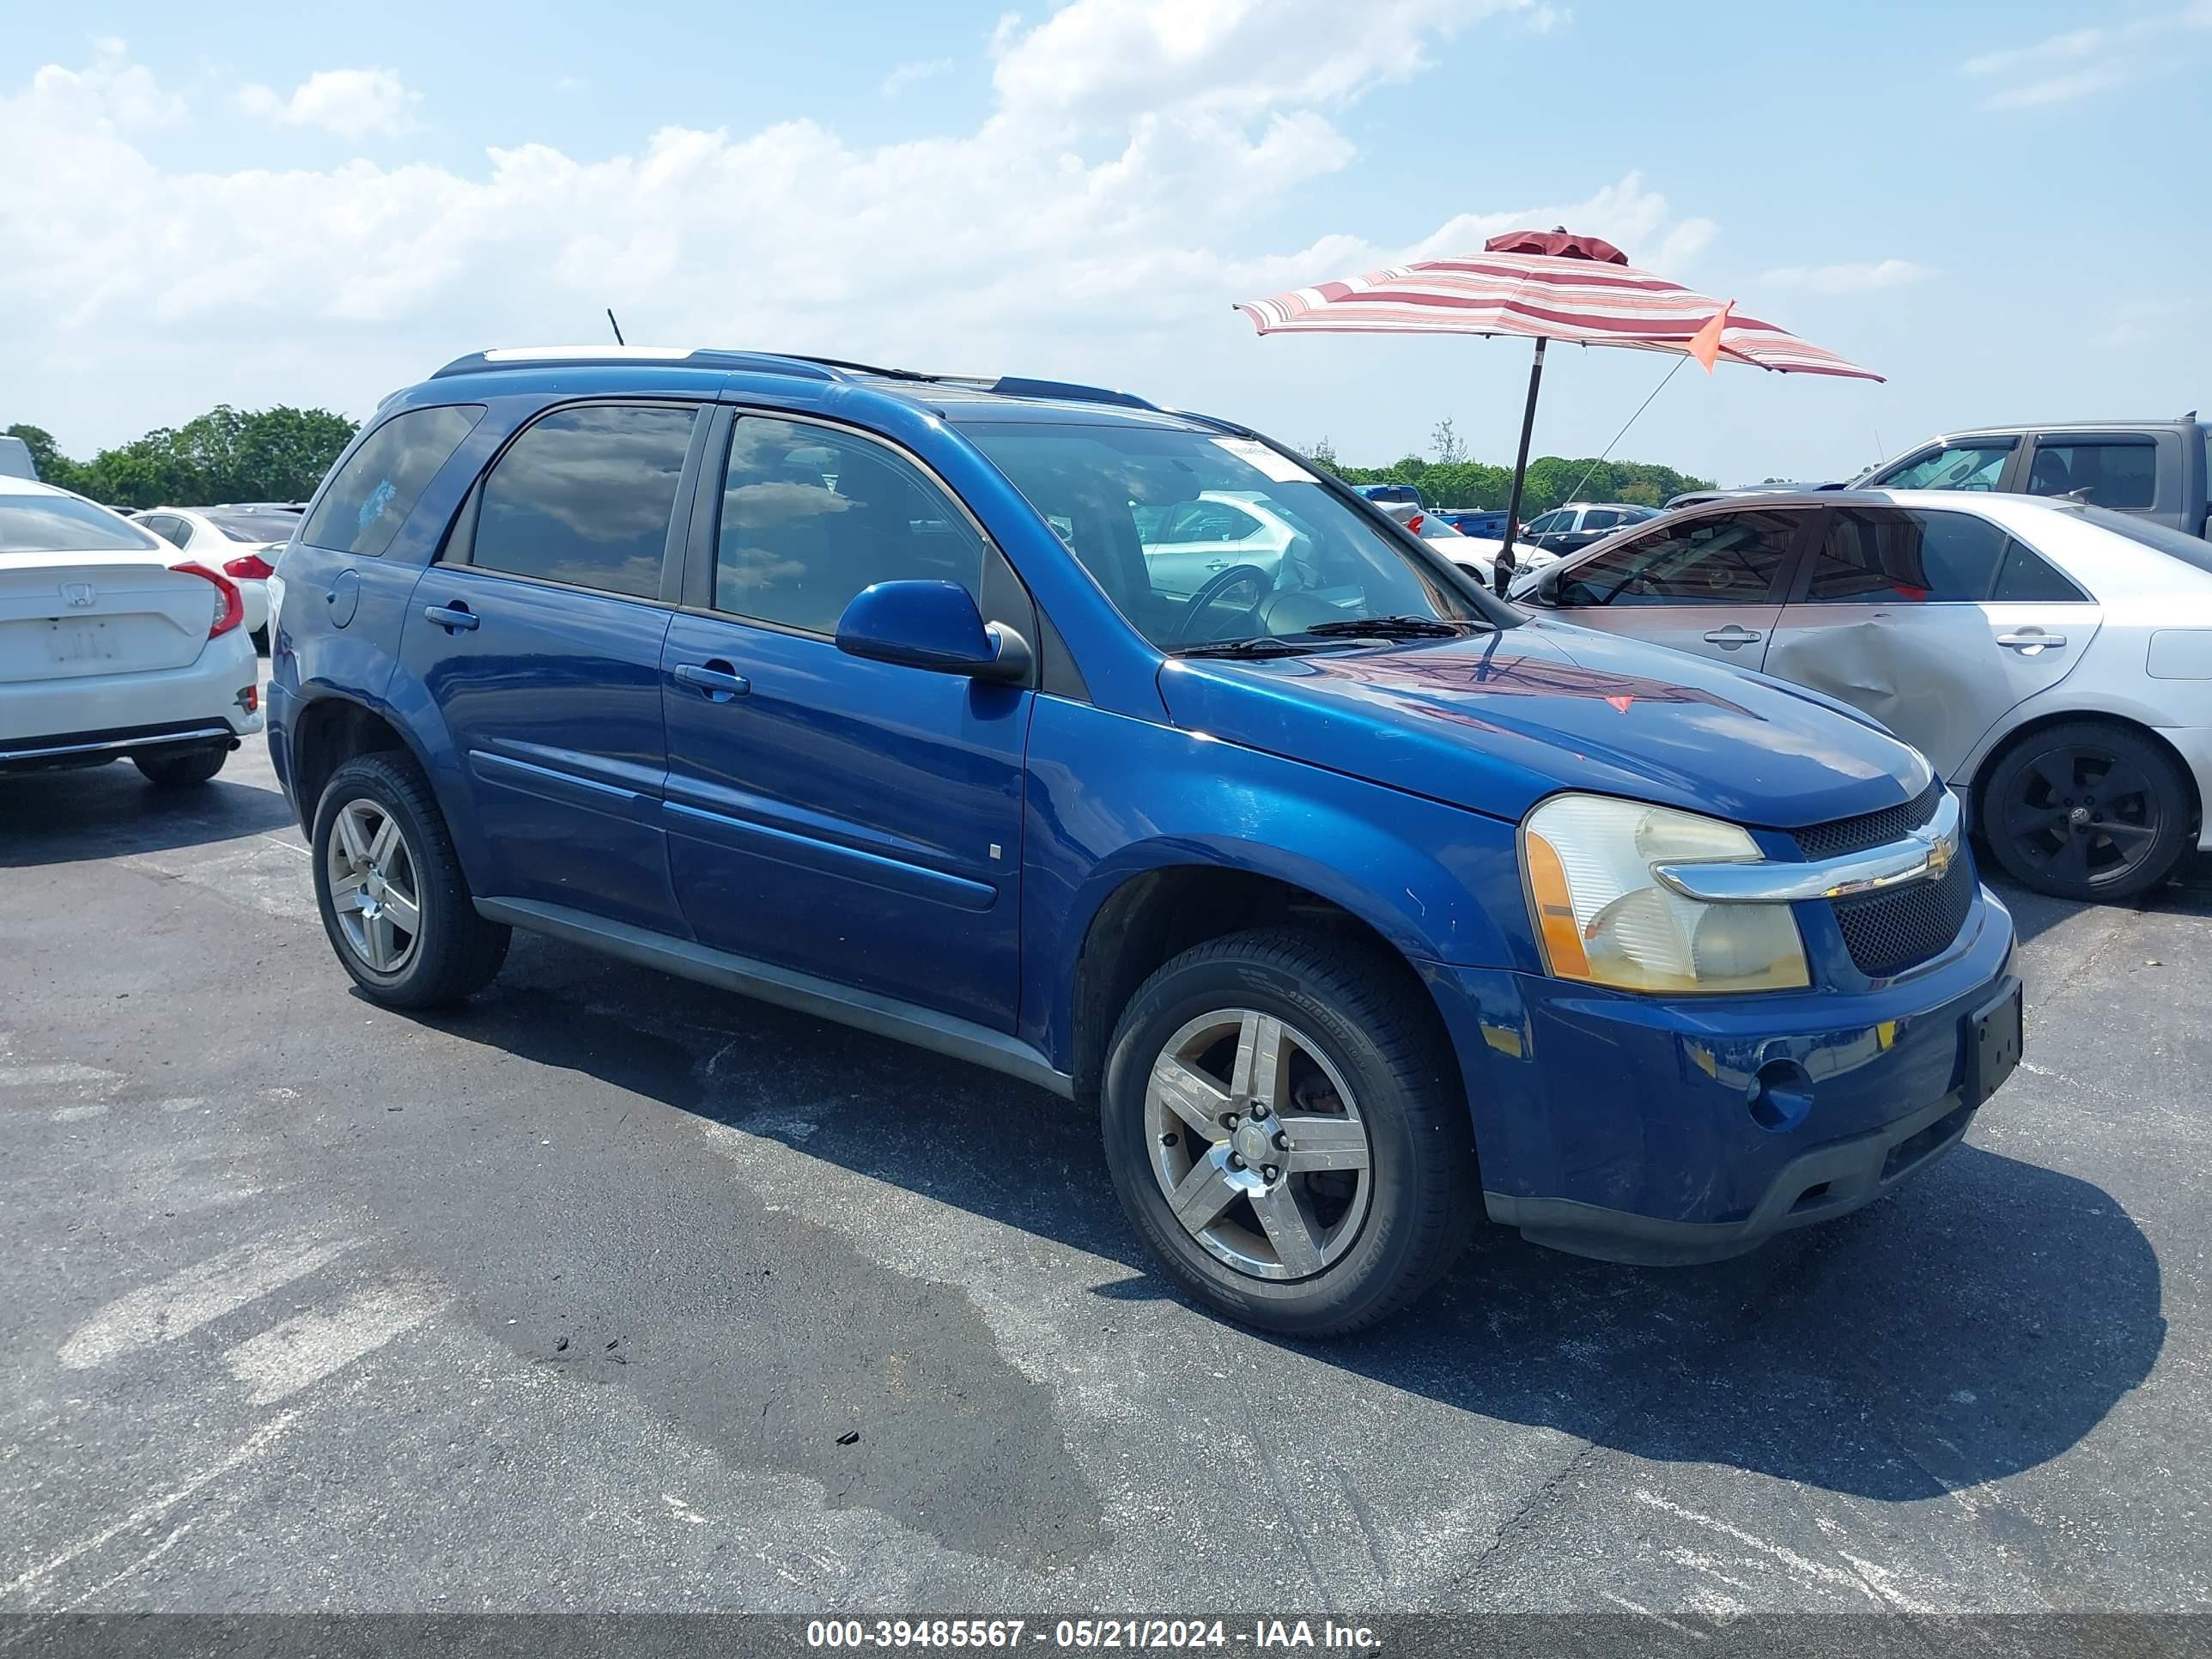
<point x="1505" y="568"/>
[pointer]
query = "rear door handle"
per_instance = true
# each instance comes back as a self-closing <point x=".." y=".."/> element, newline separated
<point x="714" y="680"/>
<point x="2029" y="640"/>
<point x="1731" y="636"/>
<point x="455" y="618"/>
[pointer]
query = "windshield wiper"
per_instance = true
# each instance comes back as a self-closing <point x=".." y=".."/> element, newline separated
<point x="1259" y="645"/>
<point x="1393" y="628"/>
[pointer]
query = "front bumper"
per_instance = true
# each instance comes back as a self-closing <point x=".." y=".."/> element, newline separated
<point x="1672" y="1131"/>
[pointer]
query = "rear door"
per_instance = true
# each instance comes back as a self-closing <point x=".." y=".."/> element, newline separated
<point x="1934" y="622"/>
<point x="857" y="820"/>
<point x="539" y="631"/>
<point x="2117" y="470"/>
<point x="1711" y="584"/>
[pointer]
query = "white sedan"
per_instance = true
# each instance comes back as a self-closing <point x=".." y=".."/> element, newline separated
<point x="2053" y="661"/>
<point x="242" y="542"/>
<point x="112" y="644"/>
<point x="1477" y="555"/>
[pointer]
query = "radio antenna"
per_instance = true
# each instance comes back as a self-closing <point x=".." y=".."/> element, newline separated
<point x="615" y="325"/>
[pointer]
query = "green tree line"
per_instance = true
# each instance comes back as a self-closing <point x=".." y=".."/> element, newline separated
<point x="1449" y="478"/>
<point x="227" y="454"/>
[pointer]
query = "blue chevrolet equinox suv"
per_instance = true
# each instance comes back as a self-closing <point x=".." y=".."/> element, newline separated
<point x="1118" y="749"/>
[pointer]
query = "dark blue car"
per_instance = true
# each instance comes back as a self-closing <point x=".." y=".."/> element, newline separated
<point x="1358" y="906"/>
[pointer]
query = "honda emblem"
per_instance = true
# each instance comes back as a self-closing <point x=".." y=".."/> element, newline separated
<point x="80" y="594"/>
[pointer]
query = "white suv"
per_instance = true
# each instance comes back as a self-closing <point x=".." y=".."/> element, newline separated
<point x="110" y="645"/>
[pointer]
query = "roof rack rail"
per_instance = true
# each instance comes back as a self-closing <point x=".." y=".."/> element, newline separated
<point x="768" y="362"/>
<point x="1071" y="391"/>
<point x="799" y="363"/>
<point x="1001" y="386"/>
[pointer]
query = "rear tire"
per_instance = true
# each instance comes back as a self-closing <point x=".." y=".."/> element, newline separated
<point x="390" y="888"/>
<point x="1375" y="1194"/>
<point x="2086" y="810"/>
<point x="182" y="771"/>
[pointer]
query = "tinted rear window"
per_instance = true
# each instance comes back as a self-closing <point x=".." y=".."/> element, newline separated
<point x="62" y="523"/>
<point x="585" y="497"/>
<point x="380" y="484"/>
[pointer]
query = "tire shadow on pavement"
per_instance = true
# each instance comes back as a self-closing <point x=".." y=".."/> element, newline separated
<point x="110" y="812"/>
<point x="1978" y="1323"/>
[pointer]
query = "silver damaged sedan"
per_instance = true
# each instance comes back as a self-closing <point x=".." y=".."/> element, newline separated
<point x="2054" y="661"/>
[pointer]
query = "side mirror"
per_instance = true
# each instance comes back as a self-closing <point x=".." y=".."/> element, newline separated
<point x="932" y="625"/>
<point x="1546" y="590"/>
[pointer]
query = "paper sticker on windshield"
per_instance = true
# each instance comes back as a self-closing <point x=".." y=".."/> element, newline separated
<point x="1280" y="468"/>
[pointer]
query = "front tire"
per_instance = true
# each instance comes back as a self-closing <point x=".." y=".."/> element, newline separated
<point x="1285" y="1127"/>
<point x="390" y="888"/>
<point x="182" y="771"/>
<point x="2086" y="810"/>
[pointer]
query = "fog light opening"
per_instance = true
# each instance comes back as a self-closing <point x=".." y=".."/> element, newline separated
<point x="1780" y="1095"/>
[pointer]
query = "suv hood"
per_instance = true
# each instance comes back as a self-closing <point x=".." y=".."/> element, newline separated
<point x="1497" y="721"/>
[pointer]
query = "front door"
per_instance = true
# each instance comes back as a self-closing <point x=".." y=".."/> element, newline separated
<point x="858" y="820"/>
<point x="539" y="635"/>
<point x="1711" y="584"/>
<point x="1934" y="623"/>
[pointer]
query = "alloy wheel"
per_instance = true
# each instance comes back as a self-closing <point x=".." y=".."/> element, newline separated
<point x="1258" y="1145"/>
<point x="2082" y="814"/>
<point x="375" y="891"/>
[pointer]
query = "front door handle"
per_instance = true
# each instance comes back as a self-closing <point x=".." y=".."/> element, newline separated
<point x="1732" y="636"/>
<point x="454" y="619"/>
<point x="714" y="679"/>
<point x="2029" y="641"/>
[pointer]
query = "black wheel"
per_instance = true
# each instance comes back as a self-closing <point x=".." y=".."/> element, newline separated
<point x="261" y="641"/>
<point x="2086" y="810"/>
<point x="391" y="891"/>
<point x="182" y="771"/>
<point x="1285" y="1129"/>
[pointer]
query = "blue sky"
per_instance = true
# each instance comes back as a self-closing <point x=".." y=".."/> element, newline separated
<point x="1997" y="205"/>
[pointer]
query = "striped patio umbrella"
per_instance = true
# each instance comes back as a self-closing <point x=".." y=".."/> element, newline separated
<point x="1546" y="285"/>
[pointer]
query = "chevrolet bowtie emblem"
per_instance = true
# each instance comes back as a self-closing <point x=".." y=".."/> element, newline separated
<point x="1941" y="849"/>
<point x="78" y="593"/>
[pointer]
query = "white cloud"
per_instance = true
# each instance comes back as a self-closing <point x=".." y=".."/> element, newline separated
<point x="2079" y="62"/>
<point x="110" y="92"/>
<point x="351" y="103"/>
<point x="1846" y="278"/>
<point x="907" y="74"/>
<point x="1104" y="58"/>
<point x="2058" y="48"/>
<point x="1058" y="239"/>
<point x="1546" y="18"/>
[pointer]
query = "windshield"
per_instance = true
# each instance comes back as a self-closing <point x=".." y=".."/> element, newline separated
<point x="1202" y="540"/>
<point x="246" y="525"/>
<point x="62" y="523"/>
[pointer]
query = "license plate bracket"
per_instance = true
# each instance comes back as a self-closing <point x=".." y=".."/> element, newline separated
<point x="1995" y="1038"/>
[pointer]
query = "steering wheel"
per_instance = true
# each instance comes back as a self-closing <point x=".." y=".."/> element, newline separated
<point x="1211" y="590"/>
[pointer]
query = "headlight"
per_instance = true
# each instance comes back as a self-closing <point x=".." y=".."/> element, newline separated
<point x="1603" y="917"/>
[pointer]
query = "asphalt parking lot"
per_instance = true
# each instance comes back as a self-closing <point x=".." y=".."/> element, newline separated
<point x="578" y="1298"/>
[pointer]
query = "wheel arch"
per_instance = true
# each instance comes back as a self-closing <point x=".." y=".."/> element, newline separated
<point x="331" y="727"/>
<point x="1994" y="752"/>
<point x="1143" y="916"/>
